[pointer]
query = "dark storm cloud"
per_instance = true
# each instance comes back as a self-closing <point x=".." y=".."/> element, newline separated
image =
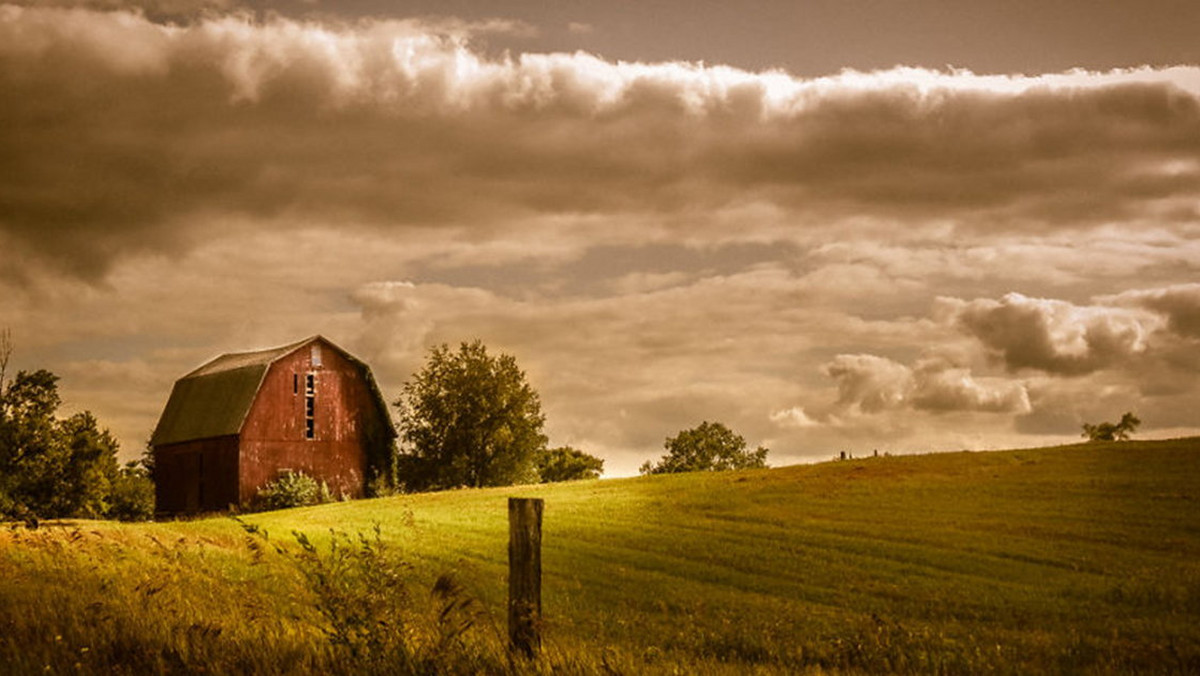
<point x="1044" y="156"/>
<point x="123" y="134"/>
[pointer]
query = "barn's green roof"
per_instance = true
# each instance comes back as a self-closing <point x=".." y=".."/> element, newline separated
<point x="214" y="400"/>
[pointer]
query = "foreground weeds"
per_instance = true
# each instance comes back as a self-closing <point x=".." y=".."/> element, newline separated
<point x="96" y="602"/>
<point x="87" y="601"/>
<point x="1080" y="560"/>
<point x="375" y="618"/>
<point x="83" y="601"/>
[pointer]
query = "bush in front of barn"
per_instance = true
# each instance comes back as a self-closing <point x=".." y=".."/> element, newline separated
<point x="292" y="489"/>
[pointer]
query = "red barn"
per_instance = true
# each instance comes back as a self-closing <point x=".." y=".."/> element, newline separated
<point x="237" y="422"/>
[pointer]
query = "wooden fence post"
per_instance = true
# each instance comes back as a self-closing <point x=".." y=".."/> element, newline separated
<point x="525" y="575"/>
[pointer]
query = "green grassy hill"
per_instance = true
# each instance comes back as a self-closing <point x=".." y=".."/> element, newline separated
<point x="1077" y="559"/>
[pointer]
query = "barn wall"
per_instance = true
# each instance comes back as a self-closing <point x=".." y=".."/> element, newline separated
<point x="196" y="476"/>
<point x="273" y="437"/>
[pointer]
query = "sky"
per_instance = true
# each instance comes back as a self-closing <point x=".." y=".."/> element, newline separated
<point x="832" y="226"/>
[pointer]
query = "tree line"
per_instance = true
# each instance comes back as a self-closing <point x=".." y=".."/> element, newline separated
<point x="468" y="418"/>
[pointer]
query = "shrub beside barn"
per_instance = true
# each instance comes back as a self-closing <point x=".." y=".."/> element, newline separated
<point x="239" y="421"/>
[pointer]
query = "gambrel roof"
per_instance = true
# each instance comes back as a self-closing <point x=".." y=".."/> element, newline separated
<point x="214" y="400"/>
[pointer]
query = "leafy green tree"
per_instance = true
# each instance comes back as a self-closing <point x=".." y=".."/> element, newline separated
<point x="52" y="467"/>
<point x="132" y="494"/>
<point x="89" y="469"/>
<point x="1107" y="431"/>
<point x="567" y="464"/>
<point x="468" y="419"/>
<point x="60" y="467"/>
<point x="709" y="447"/>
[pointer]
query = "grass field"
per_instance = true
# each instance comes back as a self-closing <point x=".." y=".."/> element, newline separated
<point x="1077" y="559"/>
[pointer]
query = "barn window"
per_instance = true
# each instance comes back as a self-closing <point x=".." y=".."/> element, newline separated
<point x="316" y="355"/>
<point x="295" y="383"/>
<point x="310" y="405"/>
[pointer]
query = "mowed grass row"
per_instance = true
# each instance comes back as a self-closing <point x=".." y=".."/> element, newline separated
<point x="1081" y="559"/>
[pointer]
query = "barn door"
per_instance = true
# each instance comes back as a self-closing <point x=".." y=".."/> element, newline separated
<point x="193" y="482"/>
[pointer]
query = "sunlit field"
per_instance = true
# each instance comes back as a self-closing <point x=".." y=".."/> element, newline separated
<point x="1077" y="559"/>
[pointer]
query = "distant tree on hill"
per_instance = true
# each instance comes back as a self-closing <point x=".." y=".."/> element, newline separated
<point x="709" y="447"/>
<point x="567" y="464"/>
<point x="1107" y="431"/>
<point x="468" y="419"/>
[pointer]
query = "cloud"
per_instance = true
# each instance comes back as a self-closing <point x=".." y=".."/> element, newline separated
<point x="1056" y="260"/>
<point x="942" y="387"/>
<point x="122" y="135"/>
<point x="173" y="9"/>
<point x="1086" y="362"/>
<point x="794" y="417"/>
<point x="1180" y="304"/>
<point x="1051" y="335"/>
<point x="1130" y="351"/>
<point x="870" y="384"/>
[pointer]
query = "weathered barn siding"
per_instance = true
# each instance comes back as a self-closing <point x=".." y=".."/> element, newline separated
<point x="273" y="437"/>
